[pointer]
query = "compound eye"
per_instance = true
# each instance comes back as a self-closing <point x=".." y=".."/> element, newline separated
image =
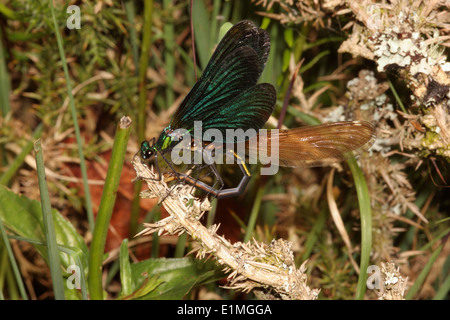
<point x="146" y="150"/>
<point x="148" y="154"/>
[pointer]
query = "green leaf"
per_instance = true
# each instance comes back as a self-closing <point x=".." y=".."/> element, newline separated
<point x="309" y="45"/>
<point x="366" y="224"/>
<point x="7" y="12"/>
<point x="308" y="119"/>
<point x="424" y="273"/>
<point x="176" y="277"/>
<point x="224" y="29"/>
<point x="125" y="269"/>
<point x="314" y="60"/>
<point x="202" y="34"/>
<point x="289" y="37"/>
<point x="23" y="216"/>
<point x="286" y="59"/>
<point x="147" y="286"/>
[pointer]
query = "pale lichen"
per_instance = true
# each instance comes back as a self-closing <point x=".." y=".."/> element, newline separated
<point x="394" y="284"/>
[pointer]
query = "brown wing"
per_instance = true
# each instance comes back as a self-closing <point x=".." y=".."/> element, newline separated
<point x="314" y="146"/>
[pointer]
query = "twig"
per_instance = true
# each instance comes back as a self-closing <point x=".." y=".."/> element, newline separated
<point x="250" y="265"/>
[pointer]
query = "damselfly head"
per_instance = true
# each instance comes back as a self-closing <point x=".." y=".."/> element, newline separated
<point x="147" y="149"/>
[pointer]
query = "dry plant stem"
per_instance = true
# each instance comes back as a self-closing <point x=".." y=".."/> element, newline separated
<point x="338" y="219"/>
<point x="394" y="284"/>
<point x="250" y="265"/>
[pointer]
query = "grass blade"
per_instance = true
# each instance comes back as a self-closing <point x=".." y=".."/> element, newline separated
<point x="131" y="16"/>
<point x="106" y="208"/>
<point x="397" y="98"/>
<point x="181" y="246"/>
<point x="125" y="269"/>
<point x="73" y="252"/>
<point x="5" y="83"/>
<point x="13" y="262"/>
<point x="88" y="201"/>
<point x="202" y="34"/>
<point x="441" y="294"/>
<point x="141" y="117"/>
<point x="143" y="64"/>
<point x="253" y="215"/>
<point x="366" y="225"/>
<point x="169" y="57"/>
<point x="424" y="273"/>
<point x="314" y="234"/>
<point x="49" y="230"/>
<point x="18" y="161"/>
